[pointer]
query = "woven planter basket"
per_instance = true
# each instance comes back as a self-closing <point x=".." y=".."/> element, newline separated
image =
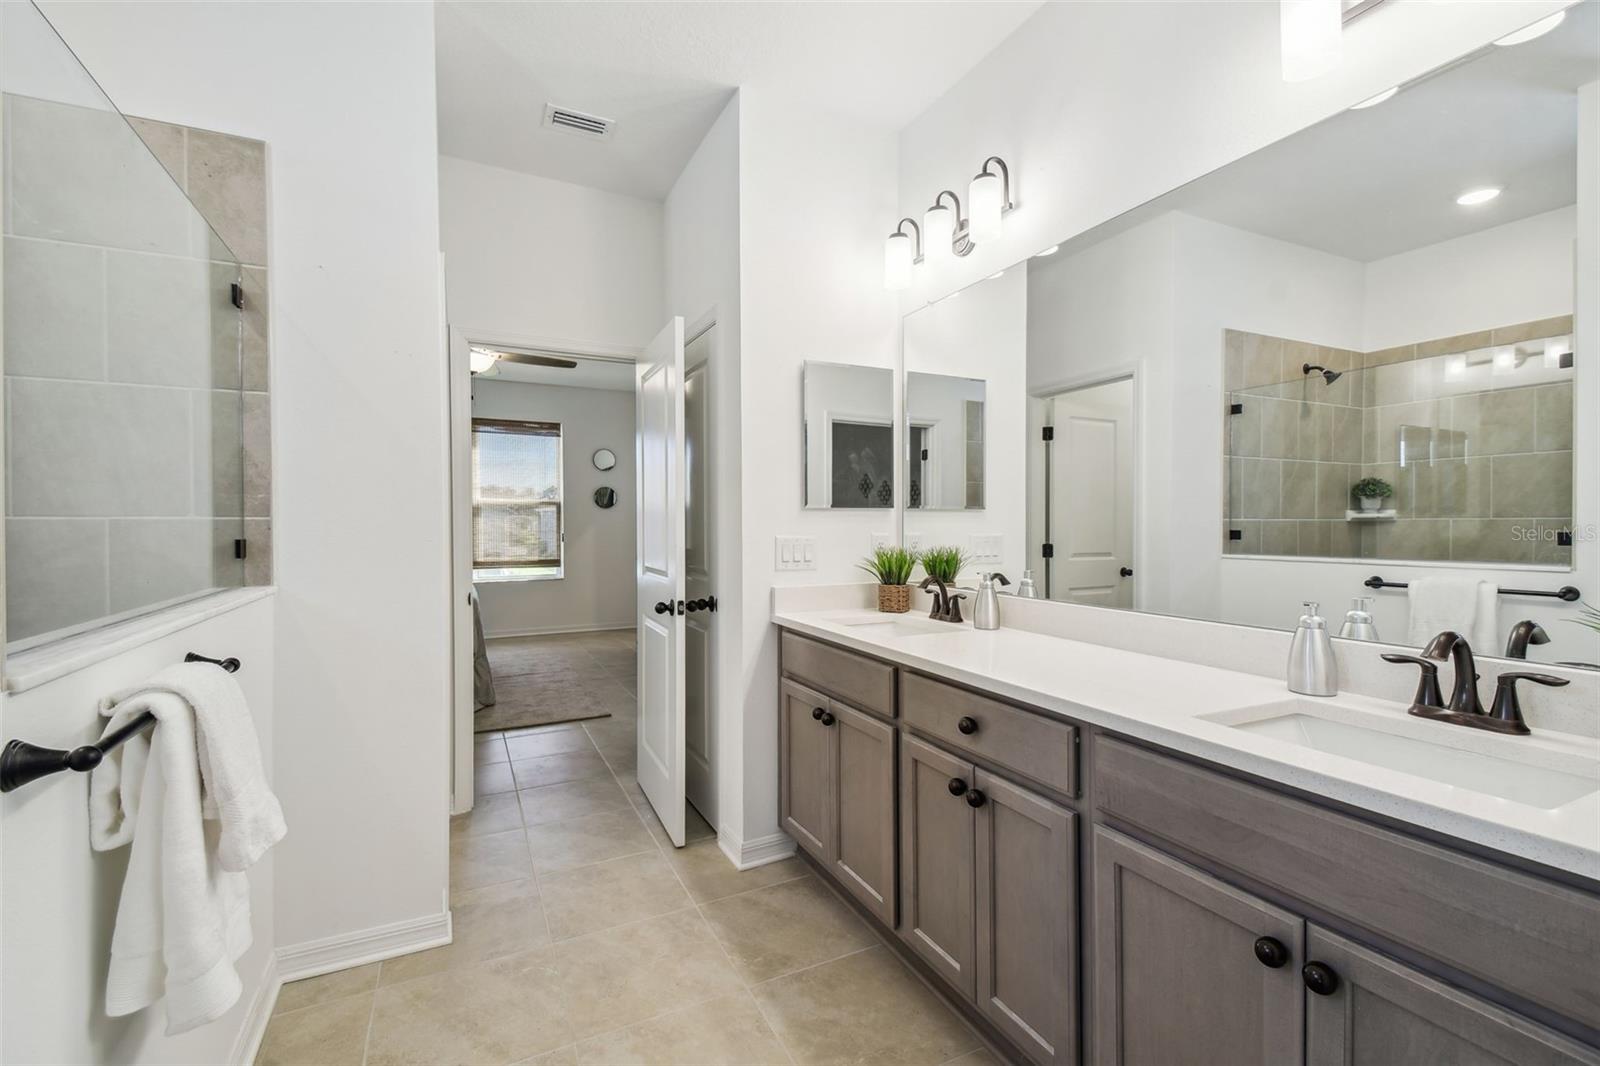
<point x="894" y="599"/>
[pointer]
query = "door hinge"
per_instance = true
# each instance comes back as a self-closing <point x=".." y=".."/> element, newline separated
<point x="239" y="548"/>
<point x="236" y="294"/>
<point x="1048" y="551"/>
<point x="1049" y="433"/>
<point x="1236" y="408"/>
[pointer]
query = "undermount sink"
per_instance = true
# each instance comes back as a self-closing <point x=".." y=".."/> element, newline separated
<point x="1533" y="776"/>
<point x="901" y="627"/>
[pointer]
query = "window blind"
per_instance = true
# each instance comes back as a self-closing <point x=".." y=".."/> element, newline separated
<point x="516" y="494"/>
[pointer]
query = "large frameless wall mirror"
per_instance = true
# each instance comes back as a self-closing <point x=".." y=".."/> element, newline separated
<point x="848" y="436"/>
<point x="1349" y="355"/>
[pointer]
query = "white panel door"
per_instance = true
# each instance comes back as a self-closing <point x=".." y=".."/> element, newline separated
<point x="661" y="472"/>
<point x="700" y="628"/>
<point x="1091" y="499"/>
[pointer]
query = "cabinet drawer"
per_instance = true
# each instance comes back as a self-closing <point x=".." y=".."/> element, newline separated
<point x="1041" y="748"/>
<point x="856" y="679"/>
<point x="1534" y="938"/>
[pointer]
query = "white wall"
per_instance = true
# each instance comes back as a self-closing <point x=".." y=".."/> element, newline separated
<point x="1519" y="272"/>
<point x="1101" y="107"/>
<point x="596" y="589"/>
<point x="343" y="95"/>
<point x="980" y="334"/>
<point x="533" y="257"/>
<point x="61" y="897"/>
<point x="701" y="242"/>
<point x="816" y="200"/>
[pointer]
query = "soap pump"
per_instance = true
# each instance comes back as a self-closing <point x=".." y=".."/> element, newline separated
<point x="1358" y="620"/>
<point x="986" y="613"/>
<point x="1312" y="668"/>
<point x="1026" y="589"/>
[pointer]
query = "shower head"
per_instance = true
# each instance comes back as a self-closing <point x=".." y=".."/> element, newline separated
<point x="1330" y="376"/>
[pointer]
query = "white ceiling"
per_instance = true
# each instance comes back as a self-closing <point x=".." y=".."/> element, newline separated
<point x="1372" y="183"/>
<point x="665" y="70"/>
<point x="588" y="374"/>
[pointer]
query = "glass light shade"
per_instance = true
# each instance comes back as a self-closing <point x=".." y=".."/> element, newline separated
<point x="481" y="360"/>
<point x="985" y="200"/>
<point x="897" y="262"/>
<point x="1312" y="33"/>
<point x="938" y="231"/>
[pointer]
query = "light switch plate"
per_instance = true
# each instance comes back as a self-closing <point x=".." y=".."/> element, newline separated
<point x="881" y="540"/>
<point x="795" y="553"/>
<point x="985" y="548"/>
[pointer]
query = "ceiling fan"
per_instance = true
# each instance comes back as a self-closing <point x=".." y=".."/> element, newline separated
<point x="483" y="359"/>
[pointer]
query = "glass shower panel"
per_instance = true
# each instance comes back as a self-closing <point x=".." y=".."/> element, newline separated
<point x="124" y="479"/>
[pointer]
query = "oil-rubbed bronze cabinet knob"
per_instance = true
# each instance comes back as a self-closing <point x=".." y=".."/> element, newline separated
<point x="975" y="798"/>
<point x="968" y="726"/>
<point x="1319" y="978"/>
<point x="1271" y="952"/>
<point x="957" y="786"/>
<point x="827" y="719"/>
<point x="817" y="713"/>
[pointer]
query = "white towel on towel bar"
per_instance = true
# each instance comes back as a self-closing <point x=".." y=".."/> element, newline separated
<point x="193" y="800"/>
<point x="1464" y="604"/>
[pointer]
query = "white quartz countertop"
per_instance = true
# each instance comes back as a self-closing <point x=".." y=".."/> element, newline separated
<point x="1177" y="705"/>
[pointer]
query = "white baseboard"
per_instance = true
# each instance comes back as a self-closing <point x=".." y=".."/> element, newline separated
<point x="317" y="957"/>
<point x="247" y="1042"/>
<point x="548" y="631"/>
<point x="748" y="854"/>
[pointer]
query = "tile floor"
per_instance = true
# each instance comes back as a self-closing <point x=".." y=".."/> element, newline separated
<point x="583" y="936"/>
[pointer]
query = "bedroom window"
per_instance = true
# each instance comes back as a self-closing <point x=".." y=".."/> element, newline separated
<point x="516" y="500"/>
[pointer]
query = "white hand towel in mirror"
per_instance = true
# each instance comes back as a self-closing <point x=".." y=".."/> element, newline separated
<point x="1464" y="604"/>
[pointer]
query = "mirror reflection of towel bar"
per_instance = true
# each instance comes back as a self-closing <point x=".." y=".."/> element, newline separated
<point x="1568" y="593"/>
<point x="22" y="762"/>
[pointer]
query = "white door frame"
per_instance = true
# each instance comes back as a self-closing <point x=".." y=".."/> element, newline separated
<point x="1132" y="372"/>
<point x="460" y="375"/>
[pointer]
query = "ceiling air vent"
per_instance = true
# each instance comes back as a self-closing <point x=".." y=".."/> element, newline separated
<point x="563" y="118"/>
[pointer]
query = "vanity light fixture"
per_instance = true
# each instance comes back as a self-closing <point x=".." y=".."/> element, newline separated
<point x="1533" y="30"/>
<point x="900" y="252"/>
<point x="1474" y="197"/>
<point x="1374" y="101"/>
<point x="989" y="200"/>
<point x="946" y="229"/>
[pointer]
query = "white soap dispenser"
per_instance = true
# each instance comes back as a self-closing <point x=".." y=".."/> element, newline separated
<point x="1312" y="668"/>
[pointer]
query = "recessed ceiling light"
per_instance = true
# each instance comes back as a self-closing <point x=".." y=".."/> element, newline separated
<point x="1473" y="197"/>
<point x="1537" y="29"/>
<point x="1052" y="250"/>
<point x="1374" y="101"/>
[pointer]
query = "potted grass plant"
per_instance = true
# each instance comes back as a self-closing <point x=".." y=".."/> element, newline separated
<point x="944" y="563"/>
<point x="1372" y="491"/>
<point x="892" y="566"/>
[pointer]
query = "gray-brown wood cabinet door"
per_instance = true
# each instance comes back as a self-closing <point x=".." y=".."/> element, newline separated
<point x="936" y="858"/>
<point x="1027" y="919"/>
<point x="1176" y="975"/>
<point x="806" y="789"/>
<point x="1381" y="1011"/>
<point x="864" y="767"/>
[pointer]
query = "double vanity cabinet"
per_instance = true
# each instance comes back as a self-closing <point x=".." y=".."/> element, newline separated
<point x="1084" y="896"/>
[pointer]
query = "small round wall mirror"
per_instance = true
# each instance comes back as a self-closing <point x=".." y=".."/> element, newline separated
<point x="605" y="459"/>
<point x="604" y="497"/>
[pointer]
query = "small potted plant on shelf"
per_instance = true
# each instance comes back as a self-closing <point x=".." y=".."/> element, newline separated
<point x="892" y="566"/>
<point x="1372" y="491"/>
<point x="944" y="563"/>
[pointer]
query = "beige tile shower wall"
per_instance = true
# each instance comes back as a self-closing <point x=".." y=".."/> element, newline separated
<point x="119" y="383"/>
<point x="1294" y="450"/>
<point x="1300" y="444"/>
<point x="1500" y="485"/>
